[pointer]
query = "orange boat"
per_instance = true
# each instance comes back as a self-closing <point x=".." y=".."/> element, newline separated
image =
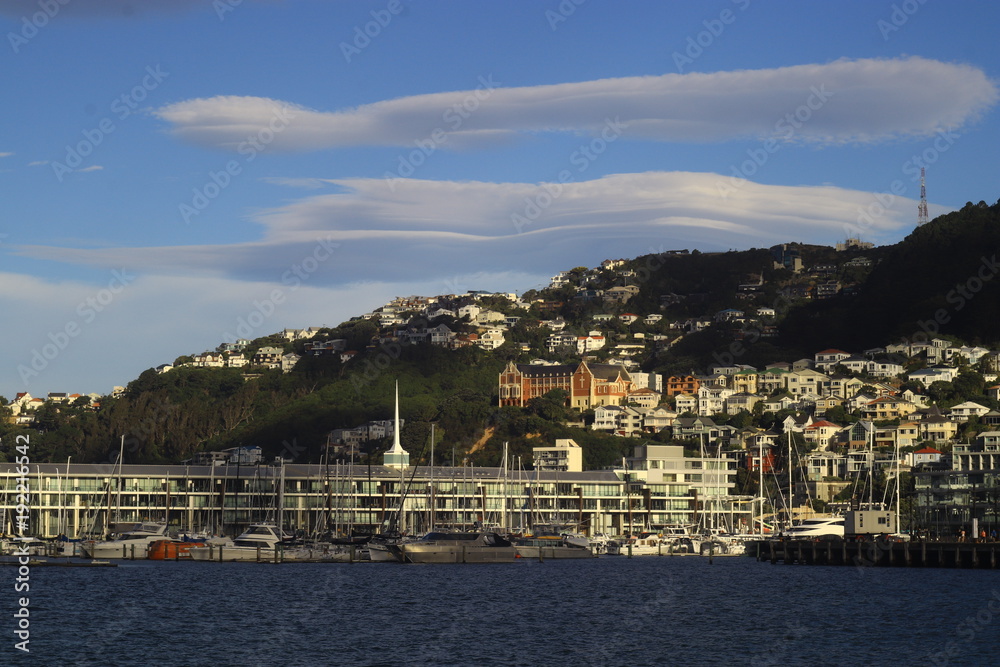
<point x="172" y="550"/>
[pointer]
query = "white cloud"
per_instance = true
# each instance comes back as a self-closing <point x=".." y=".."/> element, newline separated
<point x="38" y="163"/>
<point x="862" y="101"/>
<point x="93" y="167"/>
<point x="7" y="154"/>
<point x="371" y="232"/>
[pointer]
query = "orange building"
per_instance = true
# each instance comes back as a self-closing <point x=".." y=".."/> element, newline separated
<point x="588" y="385"/>
<point x="686" y="384"/>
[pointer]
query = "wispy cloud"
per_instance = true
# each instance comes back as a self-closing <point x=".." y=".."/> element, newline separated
<point x="93" y="167"/>
<point x="385" y="235"/>
<point x="6" y="154"/>
<point x="101" y="8"/>
<point x="303" y="183"/>
<point x="38" y="163"/>
<point x="867" y="101"/>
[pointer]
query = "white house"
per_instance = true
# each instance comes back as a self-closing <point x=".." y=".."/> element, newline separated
<point x="594" y="341"/>
<point x="490" y="339"/>
<point x="606" y="418"/>
<point x="964" y="411"/>
<point x="288" y="362"/>
<point x="685" y="403"/>
<point x="929" y="376"/>
<point x="925" y="455"/>
<point x="827" y="359"/>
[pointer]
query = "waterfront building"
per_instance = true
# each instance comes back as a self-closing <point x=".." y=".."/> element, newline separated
<point x="951" y="493"/>
<point x="658" y="488"/>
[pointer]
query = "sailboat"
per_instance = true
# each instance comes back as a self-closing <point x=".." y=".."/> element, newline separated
<point x="133" y="543"/>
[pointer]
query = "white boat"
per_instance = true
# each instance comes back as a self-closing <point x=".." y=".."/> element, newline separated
<point x="484" y="547"/>
<point x="31" y="546"/>
<point x="132" y="544"/>
<point x="598" y="543"/>
<point x="261" y="541"/>
<point x="381" y="547"/>
<point x="725" y="545"/>
<point x="646" y="544"/>
<point x="811" y="528"/>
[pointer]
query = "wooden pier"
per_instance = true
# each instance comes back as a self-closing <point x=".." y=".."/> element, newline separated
<point x="878" y="553"/>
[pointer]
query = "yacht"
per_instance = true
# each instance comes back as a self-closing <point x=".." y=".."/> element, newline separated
<point x="811" y="528"/>
<point x="132" y="544"/>
<point x="261" y="541"/>
<point x="380" y="547"/>
<point x="598" y="543"/>
<point x="645" y="544"/>
<point x="486" y="547"/>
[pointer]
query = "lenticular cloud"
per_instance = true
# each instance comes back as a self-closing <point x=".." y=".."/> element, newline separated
<point x="846" y="101"/>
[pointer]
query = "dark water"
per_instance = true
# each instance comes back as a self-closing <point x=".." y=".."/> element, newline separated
<point x="607" y="611"/>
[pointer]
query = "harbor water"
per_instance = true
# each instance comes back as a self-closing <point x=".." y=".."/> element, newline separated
<point x="603" y="611"/>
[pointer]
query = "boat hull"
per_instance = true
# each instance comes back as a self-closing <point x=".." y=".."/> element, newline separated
<point x="456" y="553"/>
<point x="117" y="549"/>
<point x="381" y="553"/>
<point x="226" y="554"/>
<point x="170" y="550"/>
<point x="553" y="552"/>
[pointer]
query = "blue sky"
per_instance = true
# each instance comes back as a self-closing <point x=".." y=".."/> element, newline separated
<point x="169" y="168"/>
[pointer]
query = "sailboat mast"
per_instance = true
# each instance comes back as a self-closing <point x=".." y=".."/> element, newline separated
<point x="898" y="483"/>
<point x="503" y="518"/>
<point x="118" y="482"/>
<point x="760" y="485"/>
<point x="432" y="478"/>
<point x="791" y="501"/>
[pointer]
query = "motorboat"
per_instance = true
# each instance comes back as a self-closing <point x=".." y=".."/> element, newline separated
<point x="813" y="528"/>
<point x="133" y="543"/>
<point x="644" y="544"/>
<point x="380" y="547"/>
<point x="261" y="541"/>
<point x="435" y="547"/>
<point x="598" y="543"/>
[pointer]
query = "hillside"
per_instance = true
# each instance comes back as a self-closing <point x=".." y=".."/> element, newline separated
<point x="939" y="280"/>
<point x="692" y="310"/>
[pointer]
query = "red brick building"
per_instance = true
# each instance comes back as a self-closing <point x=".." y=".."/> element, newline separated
<point x="588" y="385"/>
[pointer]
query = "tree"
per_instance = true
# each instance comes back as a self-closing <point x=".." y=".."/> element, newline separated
<point x="551" y="406"/>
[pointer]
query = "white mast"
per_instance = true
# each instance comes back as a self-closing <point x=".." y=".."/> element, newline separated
<point x="432" y="478"/>
<point x="118" y="483"/>
<point x="760" y="485"/>
<point x="898" y="481"/>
